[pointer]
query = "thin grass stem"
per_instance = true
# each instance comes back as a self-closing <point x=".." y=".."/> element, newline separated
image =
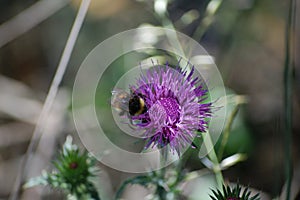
<point x="210" y="12"/>
<point x="239" y="99"/>
<point x="20" y="24"/>
<point x="214" y="159"/>
<point x="227" y="131"/>
<point x="288" y="93"/>
<point x="38" y="131"/>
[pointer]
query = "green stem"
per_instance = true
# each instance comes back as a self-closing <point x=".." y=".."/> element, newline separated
<point x="210" y="12"/>
<point x="167" y="23"/>
<point x="173" y="39"/>
<point x="182" y="161"/>
<point x="227" y="131"/>
<point x="213" y="157"/>
<point x="172" y="36"/>
<point x="142" y="180"/>
<point x="288" y="93"/>
<point x="160" y="191"/>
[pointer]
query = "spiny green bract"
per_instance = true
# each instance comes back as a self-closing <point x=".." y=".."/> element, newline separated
<point x="73" y="174"/>
<point x="233" y="194"/>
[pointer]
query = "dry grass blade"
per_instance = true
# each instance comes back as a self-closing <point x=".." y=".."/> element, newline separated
<point x="28" y="19"/>
<point x="51" y="94"/>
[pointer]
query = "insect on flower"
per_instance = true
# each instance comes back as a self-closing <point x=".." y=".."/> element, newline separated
<point x="168" y="105"/>
<point x="132" y="104"/>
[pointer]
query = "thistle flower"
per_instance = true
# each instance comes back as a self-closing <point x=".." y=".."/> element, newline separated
<point x="175" y="107"/>
<point x="233" y="194"/>
<point x="73" y="174"/>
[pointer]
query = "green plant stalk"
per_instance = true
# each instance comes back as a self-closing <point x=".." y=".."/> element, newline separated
<point x="160" y="191"/>
<point x="195" y="174"/>
<point x="288" y="93"/>
<point x="167" y="23"/>
<point x="172" y="36"/>
<point x="213" y="157"/>
<point x="227" y="131"/>
<point x="142" y="180"/>
<point x="210" y="12"/>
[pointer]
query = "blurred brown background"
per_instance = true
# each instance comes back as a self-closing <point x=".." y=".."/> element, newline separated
<point x="247" y="39"/>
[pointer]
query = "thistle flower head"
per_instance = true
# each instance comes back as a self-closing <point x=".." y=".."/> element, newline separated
<point x="234" y="194"/>
<point x="73" y="173"/>
<point x="175" y="107"/>
<point x="74" y="168"/>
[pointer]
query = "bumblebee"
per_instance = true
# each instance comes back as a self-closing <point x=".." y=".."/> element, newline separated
<point x="132" y="104"/>
<point x="136" y="105"/>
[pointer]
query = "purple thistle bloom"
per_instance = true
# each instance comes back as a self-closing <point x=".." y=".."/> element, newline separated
<point x="175" y="108"/>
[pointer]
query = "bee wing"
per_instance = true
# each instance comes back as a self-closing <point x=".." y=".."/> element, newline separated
<point x="120" y="100"/>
